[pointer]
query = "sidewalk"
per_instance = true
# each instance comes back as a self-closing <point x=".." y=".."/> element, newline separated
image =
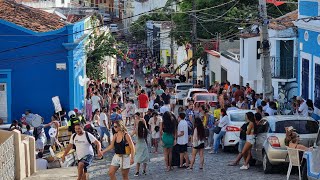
<point x="69" y="173"/>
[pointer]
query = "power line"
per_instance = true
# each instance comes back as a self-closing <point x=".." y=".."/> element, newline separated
<point x="24" y="46"/>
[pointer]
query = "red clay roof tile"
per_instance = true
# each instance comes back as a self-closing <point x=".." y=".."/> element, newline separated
<point x="30" y="18"/>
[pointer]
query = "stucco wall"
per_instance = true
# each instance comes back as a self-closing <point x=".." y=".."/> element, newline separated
<point x="233" y="69"/>
<point x="35" y="79"/>
<point x="214" y="66"/>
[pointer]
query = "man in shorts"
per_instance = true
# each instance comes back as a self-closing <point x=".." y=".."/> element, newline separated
<point x="82" y="141"/>
<point x="182" y="139"/>
<point x="143" y="102"/>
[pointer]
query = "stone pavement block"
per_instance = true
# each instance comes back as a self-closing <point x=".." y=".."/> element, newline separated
<point x="69" y="173"/>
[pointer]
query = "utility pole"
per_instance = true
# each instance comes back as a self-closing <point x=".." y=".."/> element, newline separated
<point x="265" y="51"/>
<point x="194" y="39"/>
<point x="171" y="39"/>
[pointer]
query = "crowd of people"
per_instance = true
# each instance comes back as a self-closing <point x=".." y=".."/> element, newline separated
<point x="150" y="112"/>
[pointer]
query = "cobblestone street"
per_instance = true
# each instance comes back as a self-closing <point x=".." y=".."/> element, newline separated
<point x="215" y="168"/>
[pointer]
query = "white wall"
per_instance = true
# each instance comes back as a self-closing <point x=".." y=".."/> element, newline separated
<point x="146" y="6"/>
<point x="181" y="57"/>
<point x="214" y="65"/>
<point x="248" y="58"/>
<point x="233" y="69"/>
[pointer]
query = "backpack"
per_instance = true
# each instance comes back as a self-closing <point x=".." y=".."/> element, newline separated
<point x="87" y="136"/>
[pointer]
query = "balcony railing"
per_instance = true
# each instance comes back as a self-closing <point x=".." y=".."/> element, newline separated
<point x="284" y="67"/>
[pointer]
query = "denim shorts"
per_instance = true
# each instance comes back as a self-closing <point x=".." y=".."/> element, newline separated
<point x="241" y="145"/>
<point x="86" y="160"/>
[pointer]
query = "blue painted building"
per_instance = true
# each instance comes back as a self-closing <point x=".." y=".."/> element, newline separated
<point x="40" y="57"/>
<point x="309" y="51"/>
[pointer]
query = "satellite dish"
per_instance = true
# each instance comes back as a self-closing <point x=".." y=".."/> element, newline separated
<point x="52" y="132"/>
<point x="36" y="121"/>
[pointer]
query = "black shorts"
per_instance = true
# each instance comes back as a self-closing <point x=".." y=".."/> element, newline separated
<point x="201" y="146"/>
<point x="183" y="148"/>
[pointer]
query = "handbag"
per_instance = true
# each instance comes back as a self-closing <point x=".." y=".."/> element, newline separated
<point x="126" y="146"/>
<point x="217" y="129"/>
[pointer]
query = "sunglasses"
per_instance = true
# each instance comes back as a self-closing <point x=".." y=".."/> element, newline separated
<point x="115" y="126"/>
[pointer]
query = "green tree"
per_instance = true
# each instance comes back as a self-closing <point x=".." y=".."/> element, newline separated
<point x="101" y="44"/>
<point x="223" y="19"/>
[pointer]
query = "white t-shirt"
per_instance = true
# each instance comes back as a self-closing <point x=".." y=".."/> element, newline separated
<point x="270" y="111"/>
<point x="183" y="126"/>
<point x="83" y="147"/>
<point x="42" y="164"/>
<point x="103" y="117"/>
<point x="95" y="102"/>
<point x="303" y="108"/>
<point x="153" y="124"/>
<point x="164" y="109"/>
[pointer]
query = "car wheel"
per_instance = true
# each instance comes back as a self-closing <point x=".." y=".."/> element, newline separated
<point x="305" y="171"/>
<point x="266" y="165"/>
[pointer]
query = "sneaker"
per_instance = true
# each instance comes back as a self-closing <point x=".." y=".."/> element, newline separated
<point x="136" y="174"/>
<point x="244" y="167"/>
<point x="144" y="172"/>
<point x="207" y="148"/>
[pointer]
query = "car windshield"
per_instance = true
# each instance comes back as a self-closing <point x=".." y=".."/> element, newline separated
<point x="194" y="92"/>
<point x="301" y="126"/>
<point x="238" y="117"/>
<point x="208" y="98"/>
<point x="184" y="87"/>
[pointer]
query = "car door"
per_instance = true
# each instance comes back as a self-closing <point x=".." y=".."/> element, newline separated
<point x="261" y="138"/>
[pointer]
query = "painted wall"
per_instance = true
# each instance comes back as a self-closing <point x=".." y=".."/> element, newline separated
<point x="181" y="57"/>
<point x="214" y="66"/>
<point x="248" y="58"/>
<point x="34" y="77"/>
<point x="146" y="6"/>
<point x="233" y="69"/>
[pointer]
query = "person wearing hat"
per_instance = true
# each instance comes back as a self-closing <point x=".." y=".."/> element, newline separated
<point x="301" y="107"/>
<point x="292" y="139"/>
<point x="73" y="120"/>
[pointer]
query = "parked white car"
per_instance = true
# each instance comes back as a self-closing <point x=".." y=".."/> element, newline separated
<point x="181" y="89"/>
<point x="190" y="93"/>
<point x="114" y="28"/>
<point x="106" y="18"/>
<point x="237" y="119"/>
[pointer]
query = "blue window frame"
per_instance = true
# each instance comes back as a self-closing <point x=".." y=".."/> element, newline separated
<point x="305" y="79"/>
<point x="317" y="86"/>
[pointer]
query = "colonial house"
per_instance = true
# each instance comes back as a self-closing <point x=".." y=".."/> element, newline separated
<point x="283" y="52"/>
<point x="309" y="51"/>
<point x="41" y="57"/>
<point x="224" y="65"/>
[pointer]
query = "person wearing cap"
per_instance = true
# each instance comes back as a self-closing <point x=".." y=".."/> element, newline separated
<point x="301" y="107"/>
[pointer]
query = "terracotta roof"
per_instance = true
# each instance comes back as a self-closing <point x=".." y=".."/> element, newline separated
<point x="249" y="35"/>
<point x="30" y="18"/>
<point x="284" y="22"/>
<point x="72" y="18"/>
<point x="213" y="53"/>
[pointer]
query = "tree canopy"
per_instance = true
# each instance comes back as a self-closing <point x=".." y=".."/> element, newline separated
<point x="224" y="19"/>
